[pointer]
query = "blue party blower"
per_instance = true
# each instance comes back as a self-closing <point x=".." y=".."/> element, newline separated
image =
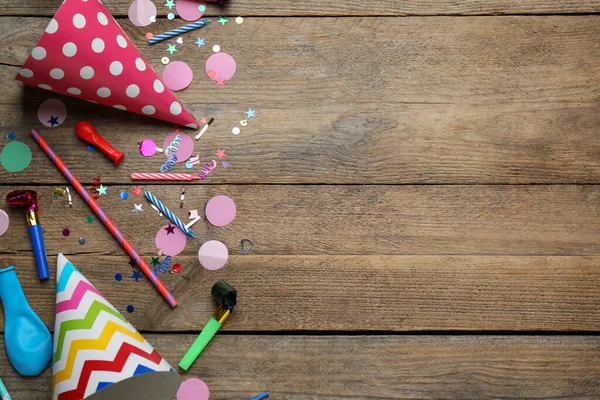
<point x="27" y="200"/>
<point x="28" y="342"/>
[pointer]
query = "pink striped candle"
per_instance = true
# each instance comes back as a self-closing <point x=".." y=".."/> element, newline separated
<point x="163" y="177"/>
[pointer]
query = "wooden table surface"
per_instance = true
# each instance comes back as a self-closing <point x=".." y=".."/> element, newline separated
<point x="421" y="183"/>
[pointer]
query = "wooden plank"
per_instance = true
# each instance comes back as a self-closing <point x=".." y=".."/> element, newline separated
<point x="339" y="220"/>
<point x="339" y="7"/>
<point x="451" y="100"/>
<point x="348" y="293"/>
<point x="376" y="367"/>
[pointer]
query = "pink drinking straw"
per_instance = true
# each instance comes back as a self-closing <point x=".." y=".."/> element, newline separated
<point x="104" y="218"/>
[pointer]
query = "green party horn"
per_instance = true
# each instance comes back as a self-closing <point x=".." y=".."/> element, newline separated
<point x="226" y="298"/>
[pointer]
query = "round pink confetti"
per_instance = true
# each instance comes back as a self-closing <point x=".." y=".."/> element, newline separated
<point x="177" y="75"/>
<point x="147" y="148"/>
<point x="4" y="221"/>
<point x="188" y="9"/>
<point x="142" y="12"/>
<point x="52" y="110"/>
<point x="171" y="244"/>
<point x="220" y="211"/>
<point x="222" y="65"/>
<point x="213" y="255"/>
<point x="184" y="149"/>
<point x="193" y="389"/>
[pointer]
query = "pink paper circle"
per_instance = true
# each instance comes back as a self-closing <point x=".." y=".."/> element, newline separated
<point x="184" y="149"/>
<point x="4" y="222"/>
<point x="147" y="148"/>
<point x="52" y="108"/>
<point x="188" y="9"/>
<point x="177" y="75"/>
<point x="213" y="255"/>
<point x="171" y="244"/>
<point x="220" y="211"/>
<point x="223" y="66"/>
<point x="142" y="12"/>
<point x="193" y="389"/>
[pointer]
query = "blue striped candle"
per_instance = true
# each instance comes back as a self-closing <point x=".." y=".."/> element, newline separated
<point x="168" y="213"/>
<point x="178" y="31"/>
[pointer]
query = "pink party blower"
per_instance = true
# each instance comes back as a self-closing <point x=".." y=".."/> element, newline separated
<point x="112" y="228"/>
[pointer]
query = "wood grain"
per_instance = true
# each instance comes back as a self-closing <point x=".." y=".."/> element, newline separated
<point x="338" y="220"/>
<point x="340" y="7"/>
<point x="437" y="101"/>
<point x="376" y="367"/>
<point x="348" y="293"/>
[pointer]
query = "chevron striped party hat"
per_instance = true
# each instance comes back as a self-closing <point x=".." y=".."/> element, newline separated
<point x="98" y="354"/>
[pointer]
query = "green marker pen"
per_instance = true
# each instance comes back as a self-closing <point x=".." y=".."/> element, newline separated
<point x="226" y="298"/>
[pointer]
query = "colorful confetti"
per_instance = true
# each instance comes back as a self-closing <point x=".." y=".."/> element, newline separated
<point x="118" y="277"/>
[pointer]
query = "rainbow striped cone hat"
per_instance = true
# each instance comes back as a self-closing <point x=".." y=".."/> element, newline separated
<point x="98" y="354"/>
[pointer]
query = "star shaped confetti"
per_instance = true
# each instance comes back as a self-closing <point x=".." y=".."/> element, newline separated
<point x="136" y="275"/>
<point x="250" y="113"/>
<point x="170" y="4"/>
<point x="172" y="48"/>
<point x="154" y="261"/>
<point x="137" y="208"/>
<point x="221" y="153"/>
<point x="223" y="20"/>
<point x="170" y="229"/>
<point x="220" y="81"/>
<point x="53" y="121"/>
<point x="193" y="214"/>
<point x="137" y="190"/>
<point x="203" y="121"/>
<point x="200" y="42"/>
<point x="102" y="189"/>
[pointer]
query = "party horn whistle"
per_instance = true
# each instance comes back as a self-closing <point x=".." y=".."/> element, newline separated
<point x="226" y="298"/>
<point x="27" y="200"/>
<point x="86" y="132"/>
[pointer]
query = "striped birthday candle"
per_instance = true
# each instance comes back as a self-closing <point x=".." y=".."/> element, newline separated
<point x="168" y="213"/>
<point x="155" y="176"/>
<point x="178" y="31"/>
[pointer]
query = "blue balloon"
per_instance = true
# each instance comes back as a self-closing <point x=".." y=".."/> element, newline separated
<point x="28" y="341"/>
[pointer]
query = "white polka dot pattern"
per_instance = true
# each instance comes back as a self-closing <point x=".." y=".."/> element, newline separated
<point x="84" y="53"/>
<point x="69" y="49"/>
<point x="175" y="108"/>
<point x="121" y="41"/>
<point x="116" y="68"/>
<point x="133" y="91"/>
<point x="148" y="110"/>
<point x="103" y="92"/>
<point x="79" y="21"/>
<point x="98" y="45"/>
<point x="102" y="18"/>
<point x="27" y="73"/>
<point x="158" y="86"/>
<point x="140" y="64"/>
<point x="52" y="27"/>
<point x="39" y="53"/>
<point x="87" y="72"/>
<point x="57" y="73"/>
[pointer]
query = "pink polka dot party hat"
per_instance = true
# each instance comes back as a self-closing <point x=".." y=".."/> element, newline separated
<point x="85" y="54"/>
